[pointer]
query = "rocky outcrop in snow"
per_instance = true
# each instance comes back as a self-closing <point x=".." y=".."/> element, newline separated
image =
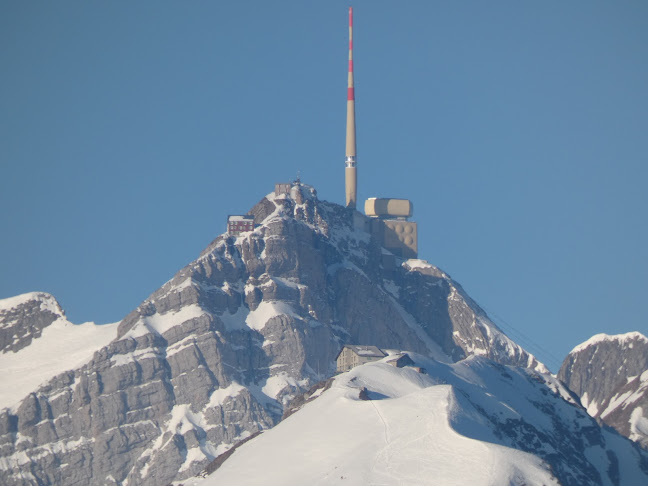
<point x="214" y="355"/>
<point x="23" y="318"/>
<point x="610" y="374"/>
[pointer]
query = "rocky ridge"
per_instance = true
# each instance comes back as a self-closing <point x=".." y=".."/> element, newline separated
<point x="610" y="374"/>
<point x="213" y="356"/>
<point x="55" y="348"/>
<point x="24" y="317"/>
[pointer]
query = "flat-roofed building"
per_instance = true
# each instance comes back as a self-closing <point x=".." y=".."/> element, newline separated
<point x="238" y="224"/>
<point x="389" y="225"/>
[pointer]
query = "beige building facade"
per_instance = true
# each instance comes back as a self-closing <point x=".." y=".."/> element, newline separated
<point x="396" y="235"/>
<point x="355" y="355"/>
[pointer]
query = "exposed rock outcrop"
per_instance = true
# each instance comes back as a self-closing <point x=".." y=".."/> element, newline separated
<point x="610" y="374"/>
<point x="24" y="317"/>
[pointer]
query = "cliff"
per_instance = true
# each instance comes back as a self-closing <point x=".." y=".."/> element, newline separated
<point x="610" y="374"/>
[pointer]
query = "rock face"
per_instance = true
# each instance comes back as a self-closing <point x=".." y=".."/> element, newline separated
<point x="23" y="319"/>
<point x="214" y="355"/>
<point x="610" y="374"/>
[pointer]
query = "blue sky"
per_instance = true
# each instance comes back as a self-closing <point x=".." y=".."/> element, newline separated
<point x="130" y="130"/>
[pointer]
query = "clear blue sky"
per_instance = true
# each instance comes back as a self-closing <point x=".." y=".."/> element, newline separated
<point x="130" y="129"/>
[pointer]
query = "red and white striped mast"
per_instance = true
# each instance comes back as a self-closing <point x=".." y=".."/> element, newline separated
<point x="350" y="174"/>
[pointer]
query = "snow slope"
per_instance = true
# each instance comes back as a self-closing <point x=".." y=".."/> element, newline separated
<point x="453" y="426"/>
<point x="62" y="346"/>
<point x="405" y="439"/>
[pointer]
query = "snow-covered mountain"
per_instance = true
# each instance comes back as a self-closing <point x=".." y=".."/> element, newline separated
<point x="38" y="343"/>
<point x="216" y="353"/>
<point x="23" y="318"/>
<point x="610" y="374"/>
<point x="474" y="422"/>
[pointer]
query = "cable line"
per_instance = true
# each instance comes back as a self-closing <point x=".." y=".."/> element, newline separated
<point x="522" y="339"/>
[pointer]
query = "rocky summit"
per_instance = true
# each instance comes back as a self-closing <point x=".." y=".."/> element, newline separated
<point x="610" y="374"/>
<point x="24" y="317"/>
<point x="216" y="353"/>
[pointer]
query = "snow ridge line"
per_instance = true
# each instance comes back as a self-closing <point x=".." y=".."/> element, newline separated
<point x="600" y="338"/>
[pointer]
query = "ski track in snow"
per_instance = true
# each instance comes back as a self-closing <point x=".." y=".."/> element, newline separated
<point x="402" y="437"/>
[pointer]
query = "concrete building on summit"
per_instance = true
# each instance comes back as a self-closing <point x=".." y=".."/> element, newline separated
<point x="388" y="223"/>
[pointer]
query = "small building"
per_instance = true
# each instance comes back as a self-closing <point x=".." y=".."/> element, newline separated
<point x="282" y="188"/>
<point x="400" y="360"/>
<point x="238" y="224"/>
<point x="353" y="355"/>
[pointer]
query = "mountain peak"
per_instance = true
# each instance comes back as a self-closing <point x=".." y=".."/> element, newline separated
<point x="610" y="374"/>
<point x="620" y="339"/>
<point x="45" y="301"/>
<point x="215" y="354"/>
<point x="23" y="318"/>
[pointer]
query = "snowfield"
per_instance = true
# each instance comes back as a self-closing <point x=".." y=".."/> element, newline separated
<point x="62" y="346"/>
<point x="402" y="436"/>
<point x="414" y="429"/>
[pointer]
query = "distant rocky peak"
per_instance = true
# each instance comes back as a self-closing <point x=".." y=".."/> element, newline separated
<point x="44" y="301"/>
<point x="610" y="375"/>
<point x="607" y="360"/>
<point x="627" y="340"/>
<point x="23" y="318"/>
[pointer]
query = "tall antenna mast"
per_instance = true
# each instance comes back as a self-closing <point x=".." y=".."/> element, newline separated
<point x="350" y="174"/>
